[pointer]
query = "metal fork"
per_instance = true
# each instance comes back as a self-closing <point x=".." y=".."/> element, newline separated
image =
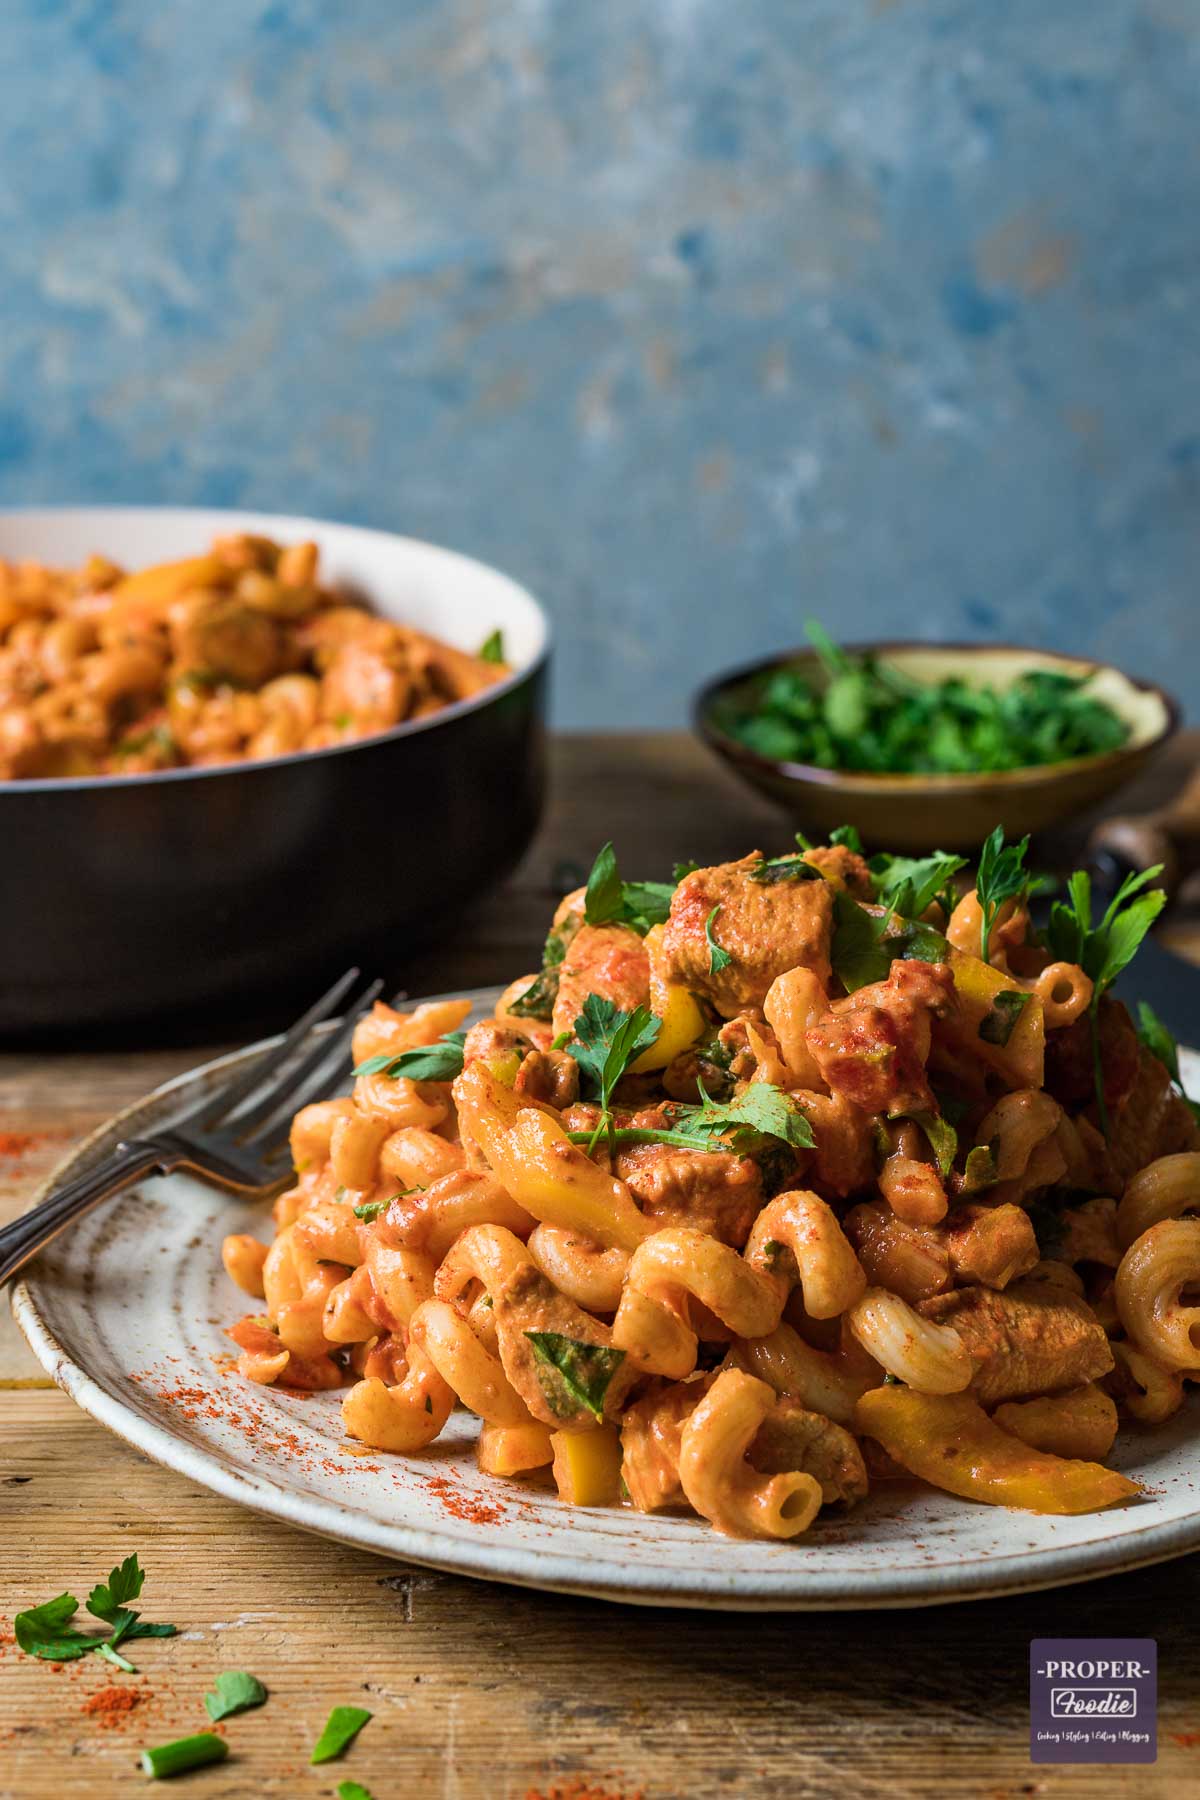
<point x="236" y="1138"/>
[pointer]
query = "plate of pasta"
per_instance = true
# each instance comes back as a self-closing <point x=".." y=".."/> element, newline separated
<point x="807" y="1231"/>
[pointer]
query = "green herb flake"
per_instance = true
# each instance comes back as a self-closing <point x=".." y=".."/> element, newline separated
<point x="846" y="836"/>
<point x="1153" y="1034"/>
<point x="610" y="901"/>
<point x="441" y="1061"/>
<point x="341" y="1728"/>
<point x="492" y="648"/>
<point x="1001" y="876"/>
<point x="980" y="1170"/>
<point x="370" y="1210"/>
<point x="718" y="959"/>
<point x="572" y="1374"/>
<point x="943" y="1139"/>
<point x="774" y="870"/>
<point x="233" y="1692"/>
<point x="352" y="1790"/>
<point x="996" y="1027"/>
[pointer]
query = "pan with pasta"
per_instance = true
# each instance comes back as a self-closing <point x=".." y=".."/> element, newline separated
<point x="783" y="1179"/>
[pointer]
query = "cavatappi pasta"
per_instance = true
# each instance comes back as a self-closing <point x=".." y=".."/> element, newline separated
<point x="759" y="1192"/>
<point x="237" y="654"/>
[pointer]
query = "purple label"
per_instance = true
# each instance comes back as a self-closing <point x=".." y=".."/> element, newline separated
<point x="1093" y="1700"/>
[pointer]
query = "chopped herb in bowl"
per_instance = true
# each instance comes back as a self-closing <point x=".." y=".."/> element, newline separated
<point x="866" y="716"/>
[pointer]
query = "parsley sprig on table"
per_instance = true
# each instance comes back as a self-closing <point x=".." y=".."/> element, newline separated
<point x="1104" y="950"/>
<point x="47" y="1631"/>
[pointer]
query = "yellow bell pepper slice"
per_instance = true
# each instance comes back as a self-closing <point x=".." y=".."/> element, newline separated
<point x="683" y="1022"/>
<point x="513" y="1449"/>
<point x="166" y="581"/>
<point x="949" y="1441"/>
<point x="1020" y="1061"/>
<point x="587" y="1465"/>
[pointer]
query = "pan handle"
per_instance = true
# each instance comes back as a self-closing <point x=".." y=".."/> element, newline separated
<point x="129" y="1162"/>
<point x="1170" y="835"/>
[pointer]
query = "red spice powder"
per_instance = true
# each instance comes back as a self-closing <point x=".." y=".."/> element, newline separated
<point x="111" y="1706"/>
<point x="16" y="1143"/>
<point x="476" y="1512"/>
<point x="582" y="1787"/>
<point x="1187" y="1740"/>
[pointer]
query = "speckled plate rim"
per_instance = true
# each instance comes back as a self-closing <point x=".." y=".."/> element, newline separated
<point x="707" y="1586"/>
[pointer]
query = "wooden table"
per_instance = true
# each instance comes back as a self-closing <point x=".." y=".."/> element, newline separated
<point x="489" y="1691"/>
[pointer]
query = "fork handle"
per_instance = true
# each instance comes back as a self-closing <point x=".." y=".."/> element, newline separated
<point x="128" y="1163"/>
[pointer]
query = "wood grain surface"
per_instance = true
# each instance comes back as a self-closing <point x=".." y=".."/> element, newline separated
<point x="481" y="1690"/>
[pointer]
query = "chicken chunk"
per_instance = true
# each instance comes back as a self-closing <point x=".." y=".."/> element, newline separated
<point x="650" y="1437"/>
<point x="609" y="960"/>
<point x="873" y="1046"/>
<point x="991" y="1245"/>
<point x="909" y="1260"/>
<point x="844" y="867"/>
<point x="766" y="927"/>
<point x="1027" y="1340"/>
<point x="715" y="1191"/>
<point x="792" y="1438"/>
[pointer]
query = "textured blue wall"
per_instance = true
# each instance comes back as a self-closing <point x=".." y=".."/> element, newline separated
<point x="696" y="315"/>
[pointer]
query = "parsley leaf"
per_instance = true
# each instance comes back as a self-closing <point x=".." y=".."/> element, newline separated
<point x="573" y="1374"/>
<point x="537" y="1002"/>
<point x="911" y="884"/>
<point x="352" y="1790"/>
<point x="370" y="1210"/>
<point x="865" y="944"/>
<point x="611" y="901"/>
<point x="996" y="1026"/>
<point x="847" y="835"/>
<point x="46" y="1631"/>
<point x="760" y="1112"/>
<point x="1104" y="950"/>
<point x="771" y="871"/>
<point x="1158" y="1040"/>
<point x="943" y="1139"/>
<point x="682" y="870"/>
<point x="1002" y="876"/>
<point x="341" y="1728"/>
<point x="441" y="1061"/>
<point x="606" y="1041"/>
<point x="492" y="648"/>
<point x="718" y="959"/>
<point x="124" y="1583"/>
<point x="233" y="1692"/>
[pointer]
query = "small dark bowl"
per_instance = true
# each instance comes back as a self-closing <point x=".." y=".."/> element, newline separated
<point x="130" y="898"/>
<point x="951" y="812"/>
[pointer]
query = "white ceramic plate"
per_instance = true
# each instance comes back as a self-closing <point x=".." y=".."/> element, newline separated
<point x="126" y="1312"/>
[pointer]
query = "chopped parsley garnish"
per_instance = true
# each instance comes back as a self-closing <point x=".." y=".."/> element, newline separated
<point x="718" y="959"/>
<point x="537" y="1002"/>
<point x="611" y="901"/>
<point x="440" y="1061"/>
<point x="341" y="1728"/>
<point x="909" y="885"/>
<point x="352" y="1790"/>
<point x="682" y="870"/>
<point x="864" y="714"/>
<point x="1104" y="950"/>
<point x="770" y="871"/>
<point x="761" y="1112"/>
<point x="606" y="1041"/>
<point x="1002" y="876"/>
<point x="996" y="1026"/>
<point x="1158" y="1040"/>
<point x="233" y="1692"/>
<point x="46" y="1630"/>
<point x="943" y="1139"/>
<point x="370" y="1210"/>
<point x="865" y="944"/>
<point x="847" y="835"/>
<point x="572" y="1374"/>
<point x="492" y="648"/>
<point x="980" y="1170"/>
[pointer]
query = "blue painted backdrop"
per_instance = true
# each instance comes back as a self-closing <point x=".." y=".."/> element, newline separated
<point x="695" y="315"/>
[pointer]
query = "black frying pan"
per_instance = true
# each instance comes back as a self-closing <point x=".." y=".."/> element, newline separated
<point x="151" y="897"/>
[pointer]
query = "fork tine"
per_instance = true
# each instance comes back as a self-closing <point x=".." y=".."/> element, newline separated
<point x="294" y="1088"/>
<point x="218" y="1106"/>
